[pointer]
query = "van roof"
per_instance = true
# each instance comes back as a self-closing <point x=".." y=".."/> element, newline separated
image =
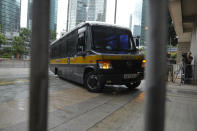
<point x="93" y="23"/>
<point x="104" y="24"/>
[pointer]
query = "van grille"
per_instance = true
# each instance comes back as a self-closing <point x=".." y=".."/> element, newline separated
<point x="127" y="66"/>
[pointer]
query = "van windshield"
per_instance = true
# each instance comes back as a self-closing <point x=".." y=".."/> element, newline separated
<point x="112" y="39"/>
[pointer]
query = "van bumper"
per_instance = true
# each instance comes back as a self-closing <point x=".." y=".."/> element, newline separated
<point x="120" y="79"/>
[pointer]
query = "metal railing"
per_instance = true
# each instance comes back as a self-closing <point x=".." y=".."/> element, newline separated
<point x="182" y="73"/>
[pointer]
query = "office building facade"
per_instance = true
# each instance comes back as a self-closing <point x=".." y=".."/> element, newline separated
<point x="10" y="11"/>
<point x="53" y="14"/>
<point x="85" y="10"/>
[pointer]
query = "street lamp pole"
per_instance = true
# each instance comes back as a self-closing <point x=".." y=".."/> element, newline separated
<point x="115" y="11"/>
<point x="68" y="16"/>
<point x="156" y="65"/>
<point x="38" y="108"/>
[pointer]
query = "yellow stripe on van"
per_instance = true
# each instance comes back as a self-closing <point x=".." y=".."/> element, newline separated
<point x="85" y="60"/>
<point x="59" y="61"/>
<point x="93" y="59"/>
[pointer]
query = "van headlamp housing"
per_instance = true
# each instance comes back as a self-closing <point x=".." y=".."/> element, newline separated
<point x="104" y="65"/>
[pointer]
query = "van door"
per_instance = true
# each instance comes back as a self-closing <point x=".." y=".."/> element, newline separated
<point x="81" y="53"/>
<point x="71" y="51"/>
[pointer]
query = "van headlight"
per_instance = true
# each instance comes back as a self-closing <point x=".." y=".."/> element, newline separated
<point x="143" y="63"/>
<point x="104" y="65"/>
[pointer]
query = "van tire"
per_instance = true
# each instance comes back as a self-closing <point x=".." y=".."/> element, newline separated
<point x="56" y="70"/>
<point x="92" y="83"/>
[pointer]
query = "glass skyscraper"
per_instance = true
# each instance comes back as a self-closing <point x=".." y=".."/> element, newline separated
<point x="91" y="10"/>
<point x="144" y="26"/>
<point x="136" y="30"/>
<point x="10" y="15"/>
<point x="82" y="10"/>
<point x="96" y="10"/>
<point x="29" y="14"/>
<point x="72" y="14"/>
<point x="53" y="14"/>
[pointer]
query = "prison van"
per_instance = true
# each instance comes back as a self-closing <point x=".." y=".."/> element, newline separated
<point x="96" y="54"/>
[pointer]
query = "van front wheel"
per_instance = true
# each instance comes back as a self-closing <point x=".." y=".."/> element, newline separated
<point x="92" y="83"/>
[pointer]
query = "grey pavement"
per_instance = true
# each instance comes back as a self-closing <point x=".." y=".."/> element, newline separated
<point x="73" y="108"/>
<point x="14" y="64"/>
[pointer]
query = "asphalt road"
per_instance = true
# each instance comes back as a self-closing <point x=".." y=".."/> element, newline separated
<point x="73" y="108"/>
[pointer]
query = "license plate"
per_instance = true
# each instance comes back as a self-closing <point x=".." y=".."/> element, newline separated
<point x="129" y="76"/>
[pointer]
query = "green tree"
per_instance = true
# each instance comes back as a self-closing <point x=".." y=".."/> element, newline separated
<point x="19" y="46"/>
<point x="6" y="51"/>
<point x="25" y="34"/>
<point x="3" y="39"/>
<point x="53" y="35"/>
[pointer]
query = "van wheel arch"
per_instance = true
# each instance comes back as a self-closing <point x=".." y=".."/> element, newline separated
<point x="87" y="70"/>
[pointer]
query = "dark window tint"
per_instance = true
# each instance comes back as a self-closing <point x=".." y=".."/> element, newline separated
<point x="124" y="40"/>
<point x="71" y="43"/>
<point x="112" y="39"/>
<point x="81" y="42"/>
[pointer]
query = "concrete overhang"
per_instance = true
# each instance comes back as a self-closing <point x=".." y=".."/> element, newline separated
<point x="189" y="12"/>
<point x="176" y="15"/>
<point x="189" y="8"/>
<point x="183" y="14"/>
<point x="185" y="37"/>
<point x="188" y="24"/>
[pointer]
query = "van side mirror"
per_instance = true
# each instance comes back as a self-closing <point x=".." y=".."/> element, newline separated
<point x="80" y="48"/>
<point x="137" y="42"/>
<point x="81" y="44"/>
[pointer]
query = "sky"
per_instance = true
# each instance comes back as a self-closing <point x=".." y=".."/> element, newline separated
<point x="24" y="13"/>
<point x="124" y="9"/>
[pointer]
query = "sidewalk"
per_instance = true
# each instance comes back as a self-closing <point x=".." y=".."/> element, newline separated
<point x="14" y="64"/>
<point x="181" y="105"/>
<point x="179" y="86"/>
<point x="181" y="113"/>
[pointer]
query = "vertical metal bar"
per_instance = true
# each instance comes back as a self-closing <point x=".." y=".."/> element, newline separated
<point x="156" y="65"/>
<point x="115" y="11"/>
<point x="39" y="66"/>
<point x="172" y="72"/>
